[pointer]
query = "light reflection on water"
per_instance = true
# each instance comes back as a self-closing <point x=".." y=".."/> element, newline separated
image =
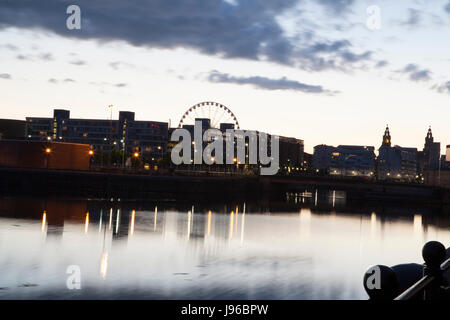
<point x="308" y="247"/>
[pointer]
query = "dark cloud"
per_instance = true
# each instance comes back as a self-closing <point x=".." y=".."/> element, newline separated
<point x="337" y="6"/>
<point x="267" y="83"/>
<point x="121" y="85"/>
<point x="247" y="29"/>
<point x="415" y="73"/>
<point x="447" y="7"/>
<point x="331" y="55"/>
<point x="69" y="80"/>
<point x="6" y="76"/>
<point x="21" y="57"/>
<point x="53" y="80"/>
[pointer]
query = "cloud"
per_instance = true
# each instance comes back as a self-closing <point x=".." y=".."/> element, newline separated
<point x="46" y="56"/>
<point x="414" y="18"/>
<point x="381" y="64"/>
<point x="5" y="76"/>
<point x="337" y="6"/>
<point x="447" y="8"/>
<point x="415" y="73"/>
<point x="442" y="88"/>
<point x="78" y="62"/>
<point x="9" y="47"/>
<point x="104" y="83"/>
<point x="331" y="55"/>
<point x="242" y="29"/>
<point x="267" y="83"/>
<point x="40" y="56"/>
<point x="116" y="65"/>
<point x="55" y="81"/>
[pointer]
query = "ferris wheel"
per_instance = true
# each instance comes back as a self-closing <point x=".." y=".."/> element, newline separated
<point x="216" y="112"/>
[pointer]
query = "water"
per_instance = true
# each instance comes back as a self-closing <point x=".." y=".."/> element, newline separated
<point x="305" y="247"/>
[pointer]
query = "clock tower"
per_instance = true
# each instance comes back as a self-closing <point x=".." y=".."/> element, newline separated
<point x="386" y="138"/>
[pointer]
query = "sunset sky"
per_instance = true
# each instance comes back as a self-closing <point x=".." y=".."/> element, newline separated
<point x="307" y="69"/>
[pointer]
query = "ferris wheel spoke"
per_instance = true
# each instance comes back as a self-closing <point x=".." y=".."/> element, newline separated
<point x="209" y="110"/>
<point x="215" y="115"/>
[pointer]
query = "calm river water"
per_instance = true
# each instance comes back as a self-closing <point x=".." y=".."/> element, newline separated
<point x="308" y="246"/>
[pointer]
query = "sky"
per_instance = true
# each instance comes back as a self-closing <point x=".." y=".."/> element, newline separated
<point x="325" y="71"/>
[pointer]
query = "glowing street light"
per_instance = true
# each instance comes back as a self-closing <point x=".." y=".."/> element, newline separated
<point x="136" y="154"/>
<point x="91" y="152"/>
<point x="48" y="150"/>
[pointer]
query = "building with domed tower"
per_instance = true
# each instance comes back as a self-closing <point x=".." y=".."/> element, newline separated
<point x="396" y="163"/>
<point x="429" y="158"/>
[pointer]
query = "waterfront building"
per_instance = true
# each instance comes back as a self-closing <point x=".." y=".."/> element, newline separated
<point x="430" y="156"/>
<point x="291" y="150"/>
<point x="321" y="159"/>
<point x="44" y="155"/>
<point x="345" y="160"/>
<point x="291" y="153"/>
<point x="396" y="163"/>
<point x="148" y="139"/>
<point x="12" y="129"/>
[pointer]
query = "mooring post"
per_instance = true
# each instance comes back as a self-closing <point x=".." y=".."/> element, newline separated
<point x="434" y="254"/>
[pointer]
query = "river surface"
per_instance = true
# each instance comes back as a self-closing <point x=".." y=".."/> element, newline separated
<point x="307" y="246"/>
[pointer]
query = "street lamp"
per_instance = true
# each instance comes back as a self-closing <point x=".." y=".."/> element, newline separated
<point x="47" y="155"/>
<point x="136" y="154"/>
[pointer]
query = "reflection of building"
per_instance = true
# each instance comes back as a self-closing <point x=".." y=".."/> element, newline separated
<point x="345" y="160"/>
<point x="146" y="137"/>
<point x="396" y="162"/>
<point x="437" y="177"/>
<point x="430" y="156"/>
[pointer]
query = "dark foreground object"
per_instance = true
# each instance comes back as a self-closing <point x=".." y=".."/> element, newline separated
<point x="429" y="281"/>
<point x="106" y="185"/>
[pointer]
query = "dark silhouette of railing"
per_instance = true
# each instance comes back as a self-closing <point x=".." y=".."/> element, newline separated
<point x="404" y="282"/>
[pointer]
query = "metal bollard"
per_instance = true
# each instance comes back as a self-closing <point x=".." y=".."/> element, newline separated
<point x="434" y="254"/>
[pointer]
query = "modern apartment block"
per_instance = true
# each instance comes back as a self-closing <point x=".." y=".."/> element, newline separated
<point x="148" y="138"/>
